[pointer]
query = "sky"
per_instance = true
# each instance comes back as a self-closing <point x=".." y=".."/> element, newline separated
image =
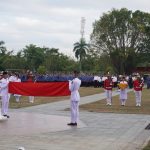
<point x="54" y="23"/>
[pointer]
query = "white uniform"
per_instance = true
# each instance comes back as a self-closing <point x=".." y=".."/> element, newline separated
<point x="11" y="79"/>
<point x="123" y="94"/>
<point x="0" y="98"/>
<point x="74" y="86"/>
<point x="4" y="95"/>
<point x="0" y="89"/>
<point x="17" y="96"/>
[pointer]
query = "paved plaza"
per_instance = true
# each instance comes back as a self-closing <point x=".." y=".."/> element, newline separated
<point x="44" y="127"/>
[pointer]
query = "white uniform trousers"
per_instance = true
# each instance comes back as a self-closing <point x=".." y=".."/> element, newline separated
<point x="31" y="99"/>
<point x="123" y="96"/>
<point x="5" y="104"/>
<point x="9" y="95"/>
<point x="108" y="96"/>
<point x="138" y="97"/>
<point x="17" y="97"/>
<point x="74" y="111"/>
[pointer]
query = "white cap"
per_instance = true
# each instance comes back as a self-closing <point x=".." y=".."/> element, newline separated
<point x="21" y="148"/>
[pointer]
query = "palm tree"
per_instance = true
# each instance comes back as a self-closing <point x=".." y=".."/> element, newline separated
<point x="80" y="49"/>
<point x="3" y="54"/>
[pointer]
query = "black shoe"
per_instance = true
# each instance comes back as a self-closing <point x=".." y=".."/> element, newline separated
<point x="72" y="124"/>
<point x="6" y="116"/>
<point x="75" y="124"/>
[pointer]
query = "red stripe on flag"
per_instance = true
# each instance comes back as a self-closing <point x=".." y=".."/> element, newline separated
<point x="40" y="89"/>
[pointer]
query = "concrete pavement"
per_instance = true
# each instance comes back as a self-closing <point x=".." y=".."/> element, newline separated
<point x="44" y="127"/>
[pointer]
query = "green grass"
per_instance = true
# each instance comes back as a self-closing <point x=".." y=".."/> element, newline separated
<point x="147" y="147"/>
<point x="130" y="108"/>
<point x="24" y="102"/>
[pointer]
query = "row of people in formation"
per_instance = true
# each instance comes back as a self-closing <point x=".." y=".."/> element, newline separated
<point x="5" y="96"/>
<point x="108" y="85"/>
<point x="123" y="85"/>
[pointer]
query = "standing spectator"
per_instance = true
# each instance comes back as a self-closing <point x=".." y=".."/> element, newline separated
<point x="148" y="82"/>
<point x="115" y="82"/>
<point x="130" y="82"/>
<point x="74" y="86"/>
<point x="96" y="82"/>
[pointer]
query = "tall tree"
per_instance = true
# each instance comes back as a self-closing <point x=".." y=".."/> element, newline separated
<point x="80" y="49"/>
<point x="56" y="61"/>
<point x="51" y="59"/>
<point x="34" y="56"/>
<point x="119" y="33"/>
<point x="144" y="49"/>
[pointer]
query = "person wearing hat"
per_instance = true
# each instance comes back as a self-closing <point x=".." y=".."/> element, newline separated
<point x="4" y="94"/>
<point x="108" y="85"/>
<point x="138" y="85"/>
<point x="74" y="86"/>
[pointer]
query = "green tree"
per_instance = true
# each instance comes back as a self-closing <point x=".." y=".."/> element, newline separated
<point x="36" y="59"/>
<point x="55" y="61"/>
<point x="80" y="49"/>
<point x="144" y="49"/>
<point x="34" y="56"/>
<point x="51" y="61"/>
<point x="4" y="56"/>
<point x="119" y="33"/>
<point x="41" y="70"/>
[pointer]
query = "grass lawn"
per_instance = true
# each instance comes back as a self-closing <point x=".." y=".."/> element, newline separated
<point x="130" y="108"/>
<point x="84" y="91"/>
<point x="147" y="147"/>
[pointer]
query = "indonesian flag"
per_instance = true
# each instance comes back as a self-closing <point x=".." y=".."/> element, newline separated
<point x="39" y="89"/>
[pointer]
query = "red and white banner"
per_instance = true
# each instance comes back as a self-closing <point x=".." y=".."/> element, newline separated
<point x="39" y="89"/>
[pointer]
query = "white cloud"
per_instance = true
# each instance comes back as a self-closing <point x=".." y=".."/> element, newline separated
<point x="54" y="23"/>
<point x="26" y="21"/>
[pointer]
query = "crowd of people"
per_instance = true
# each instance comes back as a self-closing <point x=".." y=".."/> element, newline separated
<point x="88" y="79"/>
<point x="108" y="82"/>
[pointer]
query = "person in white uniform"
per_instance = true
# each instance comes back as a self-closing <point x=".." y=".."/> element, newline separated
<point x="1" y="117"/>
<point x="11" y="78"/>
<point x="1" y="76"/>
<point x="74" y="86"/>
<point x="123" y="91"/>
<point x="4" y="94"/>
<point x="17" y="96"/>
